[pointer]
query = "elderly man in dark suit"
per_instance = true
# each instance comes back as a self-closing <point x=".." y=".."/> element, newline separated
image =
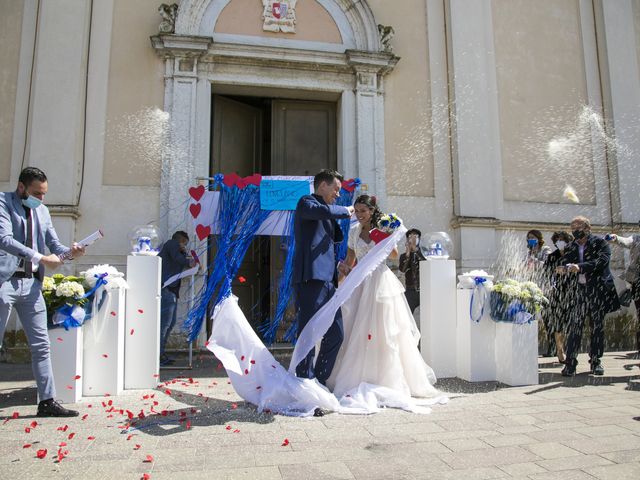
<point x="25" y="231"/>
<point x="317" y="235"/>
<point x="588" y="258"/>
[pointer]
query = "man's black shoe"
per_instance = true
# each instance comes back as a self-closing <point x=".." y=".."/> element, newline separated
<point x="596" y="367"/>
<point x="51" y="408"/>
<point x="318" y="412"/>
<point x="569" y="370"/>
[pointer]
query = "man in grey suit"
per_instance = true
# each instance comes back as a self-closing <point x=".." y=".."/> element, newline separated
<point x="25" y="230"/>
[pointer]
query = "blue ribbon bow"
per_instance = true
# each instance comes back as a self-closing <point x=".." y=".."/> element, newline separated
<point x="479" y="281"/>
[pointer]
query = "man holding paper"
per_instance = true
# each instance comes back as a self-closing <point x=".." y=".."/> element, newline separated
<point x="174" y="261"/>
<point x="25" y="231"/>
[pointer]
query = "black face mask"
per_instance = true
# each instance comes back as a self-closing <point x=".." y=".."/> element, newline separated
<point x="579" y="234"/>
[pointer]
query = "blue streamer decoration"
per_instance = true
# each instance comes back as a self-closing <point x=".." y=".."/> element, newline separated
<point x="346" y="199"/>
<point x="239" y="217"/>
<point x="270" y="327"/>
<point x="479" y="281"/>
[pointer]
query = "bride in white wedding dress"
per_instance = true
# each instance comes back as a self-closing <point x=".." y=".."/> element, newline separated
<point x="380" y="346"/>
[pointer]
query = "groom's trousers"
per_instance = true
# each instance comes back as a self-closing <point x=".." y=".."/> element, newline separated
<point x="310" y="296"/>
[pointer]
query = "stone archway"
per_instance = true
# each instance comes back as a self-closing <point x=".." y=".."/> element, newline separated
<point x="197" y="59"/>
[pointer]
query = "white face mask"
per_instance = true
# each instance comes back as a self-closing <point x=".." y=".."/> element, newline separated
<point x="561" y="244"/>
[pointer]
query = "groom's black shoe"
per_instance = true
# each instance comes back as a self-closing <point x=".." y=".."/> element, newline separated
<point x="318" y="412"/>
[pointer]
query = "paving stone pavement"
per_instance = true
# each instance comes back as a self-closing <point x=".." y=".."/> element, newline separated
<point x="194" y="426"/>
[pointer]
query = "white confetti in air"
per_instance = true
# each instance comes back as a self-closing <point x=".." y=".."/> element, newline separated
<point x="570" y="194"/>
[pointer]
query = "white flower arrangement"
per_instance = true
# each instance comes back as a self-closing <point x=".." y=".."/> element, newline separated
<point x="69" y="289"/>
<point x="529" y="293"/>
<point x="114" y="278"/>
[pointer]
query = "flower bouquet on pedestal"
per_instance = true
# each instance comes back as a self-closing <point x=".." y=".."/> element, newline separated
<point x="65" y="299"/>
<point x="516" y="302"/>
<point x="388" y="223"/>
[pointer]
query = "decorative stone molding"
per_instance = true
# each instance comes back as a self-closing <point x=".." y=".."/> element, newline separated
<point x="64" y="211"/>
<point x="279" y="16"/>
<point x="191" y="15"/>
<point x="168" y="14"/>
<point x="386" y="35"/>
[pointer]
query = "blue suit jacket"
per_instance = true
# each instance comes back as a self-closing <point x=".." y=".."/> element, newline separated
<point x="316" y="233"/>
<point x="13" y="229"/>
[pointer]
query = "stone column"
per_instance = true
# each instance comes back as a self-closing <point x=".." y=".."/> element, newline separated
<point x="477" y="164"/>
<point x="370" y="69"/>
<point x="621" y="86"/>
<point x="184" y="106"/>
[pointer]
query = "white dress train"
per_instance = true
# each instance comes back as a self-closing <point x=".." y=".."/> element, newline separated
<point x="379" y="356"/>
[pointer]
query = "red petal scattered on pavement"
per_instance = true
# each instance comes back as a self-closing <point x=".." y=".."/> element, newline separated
<point x="156" y="375"/>
<point x="131" y="332"/>
<point x="59" y="339"/>
<point x="63" y="429"/>
<point x="236" y="431"/>
<point x="15" y="415"/>
<point x="113" y="314"/>
<point x="62" y="444"/>
<point x="285" y="442"/>
<point x="228" y="427"/>
<point x="149" y="459"/>
<point x="137" y="447"/>
<point x="242" y="358"/>
<point x="105" y="355"/>
<point x="27" y="430"/>
<point x="34" y="424"/>
<point x="369" y="336"/>
<point x="246" y="371"/>
<point x="129" y="436"/>
<point x="89" y="406"/>
<point x="91" y="438"/>
<point x="140" y="310"/>
<point x="26" y="445"/>
<point x="69" y="387"/>
<point x="71" y="435"/>
<point x="188" y="425"/>
<point x="234" y="406"/>
<point x="77" y="377"/>
<point x="258" y="387"/>
<point x="145" y="476"/>
<point x="41" y="453"/>
<point x="84" y="417"/>
<point x="273" y="366"/>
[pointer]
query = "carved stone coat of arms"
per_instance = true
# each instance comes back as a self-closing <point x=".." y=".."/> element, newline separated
<point x="279" y="15"/>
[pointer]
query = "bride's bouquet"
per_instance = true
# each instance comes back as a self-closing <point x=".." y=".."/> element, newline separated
<point x="387" y="224"/>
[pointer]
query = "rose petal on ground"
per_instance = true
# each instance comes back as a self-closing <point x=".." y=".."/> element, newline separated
<point x="71" y="435"/>
<point x="137" y="447"/>
<point x="149" y="459"/>
<point x="34" y="424"/>
<point x="77" y="377"/>
<point x="41" y="453"/>
<point x="91" y="437"/>
<point x="26" y="445"/>
<point x="285" y="442"/>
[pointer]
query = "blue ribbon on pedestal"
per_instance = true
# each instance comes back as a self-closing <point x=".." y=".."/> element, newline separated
<point x="479" y="281"/>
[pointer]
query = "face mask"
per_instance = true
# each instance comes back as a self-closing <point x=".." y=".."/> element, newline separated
<point x="578" y="234"/>
<point x="561" y="244"/>
<point x="31" y="202"/>
<point x="532" y="242"/>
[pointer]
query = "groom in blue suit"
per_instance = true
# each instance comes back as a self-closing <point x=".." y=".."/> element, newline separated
<point x="317" y="235"/>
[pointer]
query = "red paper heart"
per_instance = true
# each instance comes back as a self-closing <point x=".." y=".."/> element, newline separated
<point x="195" y="209"/>
<point x="231" y="179"/>
<point x="349" y="185"/>
<point x="203" y="232"/>
<point x="197" y="192"/>
<point x="254" y="179"/>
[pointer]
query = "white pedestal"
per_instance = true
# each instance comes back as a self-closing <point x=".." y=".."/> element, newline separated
<point x="438" y="315"/>
<point x="517" y="353"/>
<point x="104" y="348"/>
<point x="476" y="358"/>
<point x="66" y="362"/>
<point x="142" y="349"/>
